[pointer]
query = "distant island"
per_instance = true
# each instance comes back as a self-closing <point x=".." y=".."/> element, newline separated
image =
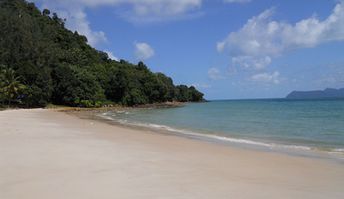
<point x="328" y="93"/>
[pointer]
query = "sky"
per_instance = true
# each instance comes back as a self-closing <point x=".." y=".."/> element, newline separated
<point x="228" y="49"/>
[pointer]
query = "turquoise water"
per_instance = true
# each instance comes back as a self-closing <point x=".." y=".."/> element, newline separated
<point x="304" y="124"/>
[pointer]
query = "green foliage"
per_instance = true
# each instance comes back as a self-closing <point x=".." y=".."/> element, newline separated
<point x="10" y="86"/>
<point x="39" y="85"/>
<point x="186" y="94"/>
<point x="133" y="97"/>
<point x="58" y="66"/>
<point x="46" y="12"/>
<point x="75" y="87"/>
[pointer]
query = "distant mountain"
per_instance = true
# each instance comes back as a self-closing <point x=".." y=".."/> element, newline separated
<point x="317" y="94"/>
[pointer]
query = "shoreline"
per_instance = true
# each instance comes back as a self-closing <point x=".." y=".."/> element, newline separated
<point x="50" y="154"/>
<point x="251" y="144"/>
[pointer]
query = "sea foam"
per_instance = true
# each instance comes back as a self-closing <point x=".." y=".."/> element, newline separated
<point x="204" y="135"/>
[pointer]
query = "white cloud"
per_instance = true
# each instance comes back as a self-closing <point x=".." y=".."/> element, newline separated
<point x="111" y="55"/>
<point x="267" y="77"/>
<point x="237" y="1"/>
<point x="331" y="76"/>
<point x="76" y="19"/>
<point x="143" y="51"/>
<point x="133" y="10"/>
<point x="214" y="74"/>
<point x="139" y="7"/>
<point x="232" y="70"/>
<point x="262" y="38"/>
<point x="138" y="11"/>
<point x="143" y="11"/>
<point x="201" y="85"/>
<point x="251" y="62"/>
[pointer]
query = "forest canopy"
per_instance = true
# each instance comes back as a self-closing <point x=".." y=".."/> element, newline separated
<point x="48" y="63"/>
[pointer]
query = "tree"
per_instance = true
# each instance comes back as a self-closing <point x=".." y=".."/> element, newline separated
<point x="10" y="86"/>
<point x="196" y="96"/>
<point x="58" y="20"/>
<point x="38" y="83"/>
<point x="2" y="85"/>
<point x="141" y="66"/>
<point x="73" y="86"/>
<point x="46" y="12"/>
<point x="134" y="97"/>
<point x="167" y="85"/>
<point x="117" y="86"/>
<point x="182" y="93"/>
<point x="58" y="66"/>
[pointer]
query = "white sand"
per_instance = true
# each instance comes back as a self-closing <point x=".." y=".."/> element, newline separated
<point x="51" y="155"/>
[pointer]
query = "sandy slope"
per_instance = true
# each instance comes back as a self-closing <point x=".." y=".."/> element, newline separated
<point x="52" y="155"/>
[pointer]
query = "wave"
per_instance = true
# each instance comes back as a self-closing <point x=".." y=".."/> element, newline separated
<point x="211" y="136"/>
<point x="337" y="153"/>
<point x="338" y="150"/>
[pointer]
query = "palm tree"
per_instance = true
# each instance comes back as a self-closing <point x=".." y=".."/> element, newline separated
<point x="2" y="85"/>
<point x="10" y="86"/>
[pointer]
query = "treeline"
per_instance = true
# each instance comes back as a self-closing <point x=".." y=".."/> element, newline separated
<point x="49" y="64"/>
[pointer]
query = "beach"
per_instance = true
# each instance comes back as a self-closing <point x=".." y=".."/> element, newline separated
<point x="50" y="154"/>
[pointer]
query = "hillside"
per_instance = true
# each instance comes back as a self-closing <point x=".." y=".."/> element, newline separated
<point x="319" y="94"/>
<point x="54" y="65"/>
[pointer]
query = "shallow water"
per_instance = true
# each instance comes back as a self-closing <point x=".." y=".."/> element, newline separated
<point x="299" y="124"/>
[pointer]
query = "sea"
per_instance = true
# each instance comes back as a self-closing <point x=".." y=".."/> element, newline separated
<point x="300" y="126"/>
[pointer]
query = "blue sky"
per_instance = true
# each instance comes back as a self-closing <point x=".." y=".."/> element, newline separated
<point x="228" y="49"/>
